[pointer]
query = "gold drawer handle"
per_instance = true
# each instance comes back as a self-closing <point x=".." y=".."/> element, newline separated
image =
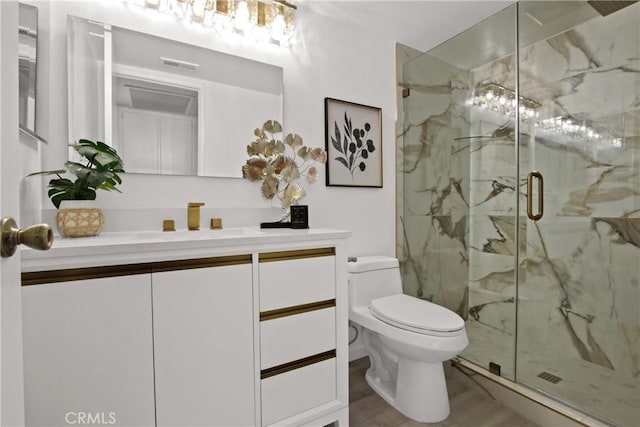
<point x="297" y="364"/>
<point x="296" y="309"/>
<point x="297" y="254"/>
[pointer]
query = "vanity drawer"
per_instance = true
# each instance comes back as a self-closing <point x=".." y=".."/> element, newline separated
<point x="289" y="338"/>
<point x="299" y="390"/>
<point x="296" y="277"/>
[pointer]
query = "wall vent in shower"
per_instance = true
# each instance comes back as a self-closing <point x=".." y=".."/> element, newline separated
<point x="549" y="377"/>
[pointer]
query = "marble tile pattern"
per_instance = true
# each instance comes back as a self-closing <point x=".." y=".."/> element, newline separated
<point x="578" y="313"/>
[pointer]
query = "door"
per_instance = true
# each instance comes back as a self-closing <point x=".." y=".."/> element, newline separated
<point x="11" y="378"/>
<point x="578" y="295"/>
<point x="88" y="352"/>
<point x="459" y="185"/>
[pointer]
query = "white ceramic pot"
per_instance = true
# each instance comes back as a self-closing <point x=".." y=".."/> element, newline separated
<point x="79" y="218"/>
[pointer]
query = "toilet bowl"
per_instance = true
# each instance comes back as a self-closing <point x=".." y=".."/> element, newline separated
<point x="406" y="339"/>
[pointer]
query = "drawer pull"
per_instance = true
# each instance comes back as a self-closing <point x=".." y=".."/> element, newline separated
<point x="299" y="254"/>
<point x="86" y="273"/>
<point x="297" y="364"/>
<point x="296" y="309"/>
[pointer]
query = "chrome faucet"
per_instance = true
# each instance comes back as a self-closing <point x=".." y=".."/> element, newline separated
<point x="193" y="215"/>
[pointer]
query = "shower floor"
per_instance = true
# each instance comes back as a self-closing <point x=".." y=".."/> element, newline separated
<point x="586" y="386"/>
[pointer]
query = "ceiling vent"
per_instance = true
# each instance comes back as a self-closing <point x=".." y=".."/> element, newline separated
<point x="607" y="7"/>
<point x="176" y="63"/>
<point x="159" y="100"/>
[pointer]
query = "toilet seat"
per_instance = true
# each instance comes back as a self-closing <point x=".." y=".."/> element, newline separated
<point x="416" y="315"/>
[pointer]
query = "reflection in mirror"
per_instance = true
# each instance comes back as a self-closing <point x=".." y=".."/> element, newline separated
<point x="27" y="49"/>
<point x="167" y="107"/>
<point x="155" y="126"/>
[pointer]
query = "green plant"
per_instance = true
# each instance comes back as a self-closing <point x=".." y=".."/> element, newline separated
<point x="269" y="162"/>
<point x="99" y="172"/>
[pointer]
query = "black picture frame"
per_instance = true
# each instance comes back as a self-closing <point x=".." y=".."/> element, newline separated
<point x="353" y="142"/>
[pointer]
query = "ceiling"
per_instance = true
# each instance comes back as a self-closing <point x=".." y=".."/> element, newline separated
<point x="421" y="24"/>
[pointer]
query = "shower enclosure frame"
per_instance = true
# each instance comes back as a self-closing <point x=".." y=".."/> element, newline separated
<point x="573" y="332"/>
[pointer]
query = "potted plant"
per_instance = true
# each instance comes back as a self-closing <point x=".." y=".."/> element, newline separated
<point x="100" y="171"/>
<point x="280" y="164"/>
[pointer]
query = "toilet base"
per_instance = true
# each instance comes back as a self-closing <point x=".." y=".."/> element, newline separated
<point x="420" y="392"/>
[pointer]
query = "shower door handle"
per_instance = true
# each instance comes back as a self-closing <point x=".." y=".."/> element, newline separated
<point x="530" y="214"/>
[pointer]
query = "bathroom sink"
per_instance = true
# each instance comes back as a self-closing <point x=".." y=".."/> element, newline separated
<point x="195" y="234"/>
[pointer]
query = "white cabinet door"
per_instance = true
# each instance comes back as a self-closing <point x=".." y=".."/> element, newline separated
<point x="203" y="340"/>
<point x="88" y="352"/>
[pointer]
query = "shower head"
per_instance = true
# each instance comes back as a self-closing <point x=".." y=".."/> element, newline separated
<point x="606" y="7"/>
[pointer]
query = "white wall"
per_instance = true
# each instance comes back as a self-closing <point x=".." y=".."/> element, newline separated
<point x="327" y="60"/>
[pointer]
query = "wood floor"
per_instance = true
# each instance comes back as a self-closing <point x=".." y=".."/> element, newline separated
<point x="470" y="405"/>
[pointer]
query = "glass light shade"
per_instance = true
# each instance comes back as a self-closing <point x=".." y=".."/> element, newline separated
<point x="202" y="10"/>
<point x="222" y="19"/>
<point x="179" y="7"/>
<point x="152" y="4"/>
<point x="261" y="20"/>
<point x="245" y="15"/>
<point x="282" y="25"/>
<point x="278" y="28"/>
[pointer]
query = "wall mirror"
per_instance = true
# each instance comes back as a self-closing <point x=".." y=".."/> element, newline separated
<point x="27" y="60"/>
<point x="167" y="107"/>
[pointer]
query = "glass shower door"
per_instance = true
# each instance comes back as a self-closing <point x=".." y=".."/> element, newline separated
<point x="521" y="197"/>
<point x="579" y="277"/>
<point x="460" y="185"/>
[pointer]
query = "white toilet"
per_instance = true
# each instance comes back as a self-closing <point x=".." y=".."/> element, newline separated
<point x="406" y="338"/>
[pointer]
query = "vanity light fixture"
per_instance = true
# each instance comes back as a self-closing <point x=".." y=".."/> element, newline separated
<point x="497" y="98"/>
<point x="270" y="21"/>
<point x="580" y="130"/>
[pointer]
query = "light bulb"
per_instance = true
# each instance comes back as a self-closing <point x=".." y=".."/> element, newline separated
<point x="197" y="10"/>
<point x="179" y="7"/>
<point x="242" y="16"/>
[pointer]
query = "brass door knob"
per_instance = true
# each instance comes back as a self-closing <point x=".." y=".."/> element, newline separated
<point x="38" y="236"/>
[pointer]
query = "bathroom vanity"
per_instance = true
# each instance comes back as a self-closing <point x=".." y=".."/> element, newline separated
<point x="213" y="327"/>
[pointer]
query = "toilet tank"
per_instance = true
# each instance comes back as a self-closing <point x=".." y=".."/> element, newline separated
<point x="372" y="277"/>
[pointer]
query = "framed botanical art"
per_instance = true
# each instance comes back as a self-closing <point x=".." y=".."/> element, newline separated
<point x="353" y="141"/>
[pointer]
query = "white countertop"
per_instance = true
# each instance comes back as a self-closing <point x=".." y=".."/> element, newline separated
<point x="153" y="246"/>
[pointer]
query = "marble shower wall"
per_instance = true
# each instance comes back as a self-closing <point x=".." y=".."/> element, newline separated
<point x="578" y="267"/>
<point x="434" y="218"/>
